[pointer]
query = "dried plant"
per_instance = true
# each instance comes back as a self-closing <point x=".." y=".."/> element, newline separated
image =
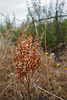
<point x="27" y="59"/>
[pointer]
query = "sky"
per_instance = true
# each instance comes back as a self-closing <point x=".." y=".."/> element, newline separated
<point x="19" y="7"/>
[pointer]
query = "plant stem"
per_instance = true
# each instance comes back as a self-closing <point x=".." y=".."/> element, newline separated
<point x="28" y="87"/>
<point x="46" y="55"/>
<point x="29" y="93"/>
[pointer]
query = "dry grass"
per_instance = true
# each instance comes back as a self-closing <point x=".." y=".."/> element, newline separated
<point x="12" y="89"/>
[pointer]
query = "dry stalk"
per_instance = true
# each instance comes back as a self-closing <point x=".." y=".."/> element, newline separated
<point x="36" y="30"/>
<point x="47" y="91"/>
<point x="47" y="67"/>
<point x="13" y="97"/>
<point x="8" y="86"/>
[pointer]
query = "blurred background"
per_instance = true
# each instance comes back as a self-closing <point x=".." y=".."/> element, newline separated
<point x="35" y="14"/>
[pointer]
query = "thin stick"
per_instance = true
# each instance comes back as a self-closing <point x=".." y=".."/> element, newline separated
<point x="8" y="86"/>
<point x="45" y="35"/>
<point x="46" y="55"/>
<point x="63" y="66"/>
<point x="50" y="93"/>
<point x="47" y="91"/>
<point x="13" y="97"/>
<point x="28" y="87"/>
<point x="36" y="30"/>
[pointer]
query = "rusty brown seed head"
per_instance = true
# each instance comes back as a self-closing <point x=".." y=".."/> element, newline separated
<point x="25" y="58"/>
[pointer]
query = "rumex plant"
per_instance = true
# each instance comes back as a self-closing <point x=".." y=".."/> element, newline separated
<point x="27" y="60"/>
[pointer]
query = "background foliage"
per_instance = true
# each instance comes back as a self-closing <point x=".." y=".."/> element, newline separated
<point x="38" y="16"/>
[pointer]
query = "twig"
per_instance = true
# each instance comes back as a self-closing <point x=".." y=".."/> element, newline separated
<point x="56" y="47"/>
<point x="13" y="97"/>
<point x="8" y="86"/>
<point x="46" y="56"/>
<point x="47" y="91"/>
<point x="36" y="30"/>
<point x="63" y="66"/>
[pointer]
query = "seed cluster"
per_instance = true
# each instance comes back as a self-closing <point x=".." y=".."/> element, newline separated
<point x="26" y="58"/>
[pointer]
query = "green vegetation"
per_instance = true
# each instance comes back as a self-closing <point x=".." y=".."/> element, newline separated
<point x="56" y="24"/>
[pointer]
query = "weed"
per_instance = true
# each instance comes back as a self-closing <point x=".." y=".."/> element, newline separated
<point x="26" y="60"/>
